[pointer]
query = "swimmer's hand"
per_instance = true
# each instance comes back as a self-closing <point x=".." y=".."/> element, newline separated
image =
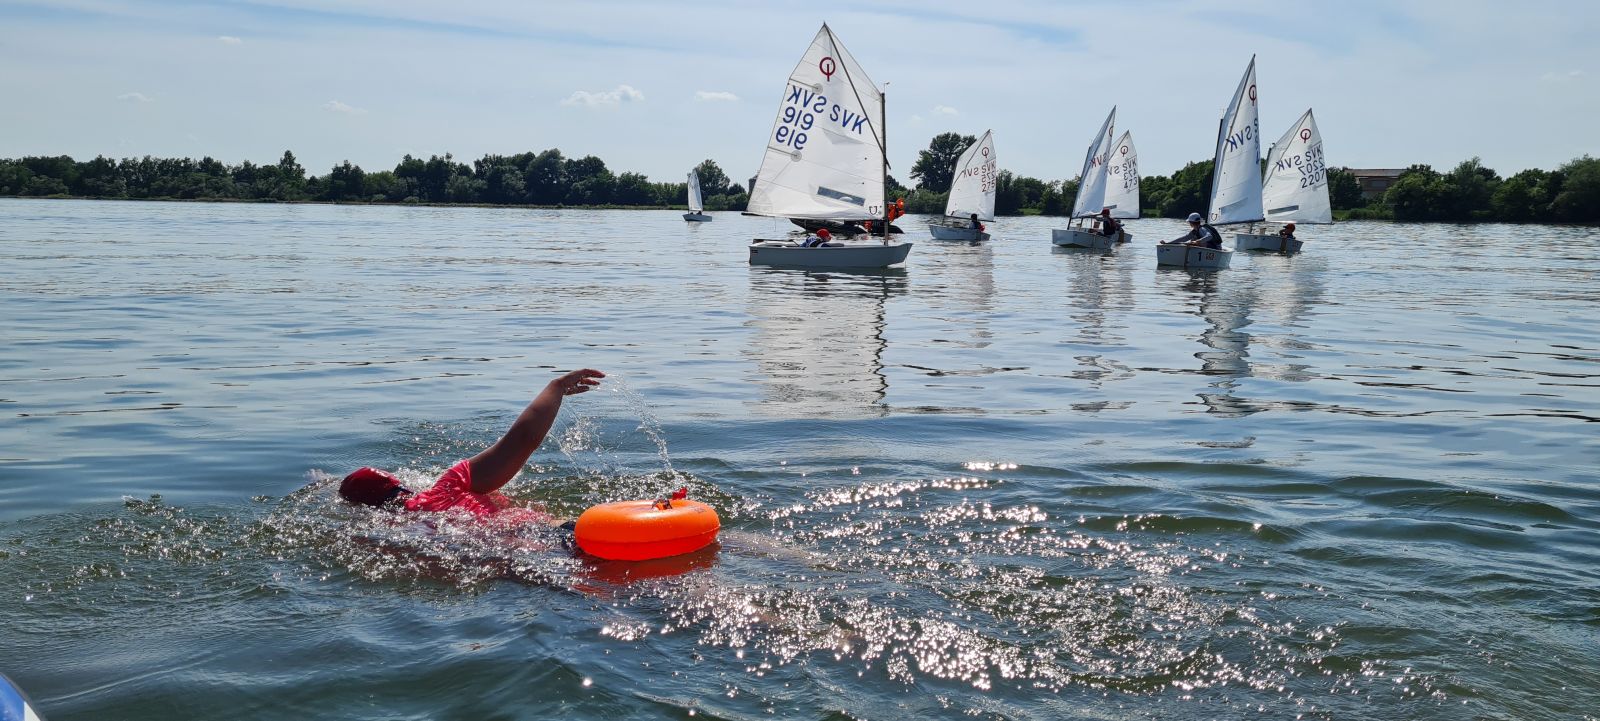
<point x="578" y="381"/>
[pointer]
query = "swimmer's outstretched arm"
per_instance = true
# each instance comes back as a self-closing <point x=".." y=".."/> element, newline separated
<point x="496" y="466"/>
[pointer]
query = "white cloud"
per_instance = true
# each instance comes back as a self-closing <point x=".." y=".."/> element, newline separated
<point x="335" y="106"/>
<point x="944" y="110"/>
<point x="135" y="98"/>
<point x="1555" y="77"/>
<point x="608" y="98"/>
<point x="228" y="40"/>
<point x="715" y="95"/>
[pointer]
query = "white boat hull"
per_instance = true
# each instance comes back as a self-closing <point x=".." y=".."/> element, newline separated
<point x="1269" y="243"/>
<point x="697" y="217"/>
<point x="840" y="255"/>
<point x="1081" y="238"/>
<point x="1178" y="255"/>
<point x="945" y="232"/>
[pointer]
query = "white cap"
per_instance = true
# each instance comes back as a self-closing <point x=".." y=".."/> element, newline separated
<point x="1195" y="218"/>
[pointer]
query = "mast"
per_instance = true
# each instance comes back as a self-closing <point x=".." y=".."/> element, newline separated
<point x="883" y="131"/>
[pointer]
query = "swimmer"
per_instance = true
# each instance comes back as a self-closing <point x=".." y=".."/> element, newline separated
<point x="473" y="484"/>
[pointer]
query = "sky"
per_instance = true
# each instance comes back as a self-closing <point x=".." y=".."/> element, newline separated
<point x="657" y="87"/>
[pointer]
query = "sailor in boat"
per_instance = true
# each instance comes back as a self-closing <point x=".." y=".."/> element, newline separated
<point x="1199" y="234"/>
<point x="975" y="224"/>
<point x="1109" y="226"/>
<point x="818" y="240"/>
<point x="1288" y="232"/>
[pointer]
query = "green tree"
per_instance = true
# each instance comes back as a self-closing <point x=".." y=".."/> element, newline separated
<point x="382" y="186"/>
<point x="1522" y="198"/>
<point x="926" y="201"/>
<point x="14" y="177"/>
<point x="633" y="189"/>
<point x="1417" y="195"/>
<point x="588" y="181"/>
<point x="936" y="166"/>
<point x="1187" y="191"/>
<point x="463" y="188"/>
<point x="1578" y="201"/>
<point x="344" y="182"/>
<point x="1344" y="192"/>
<point x="502" y="179"/>
<point x="291" y="178"/>
<point x="1056" y="200"/>
<point x="545" y="178"/>
<point x="1468" y="190"/>
<point x="712" y="180"/>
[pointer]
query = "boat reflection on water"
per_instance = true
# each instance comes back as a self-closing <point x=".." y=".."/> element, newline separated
<point x="819" y="341"/>
<point x="1100" y="290"/>
<point x="1224" y="303"/>
<point x="1288" y="289"/>
<point x="962" y="286"/>
<point x="1273" y="300"/>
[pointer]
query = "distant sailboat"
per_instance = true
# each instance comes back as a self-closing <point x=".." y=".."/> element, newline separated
<point x="697" y="207"/>
<point x="1091" y="193"/>
<point x="972" y="192"/>
<point x="1295" y="189"/>
<point x="825" y="160"/>
<point x="1235" y="181"/>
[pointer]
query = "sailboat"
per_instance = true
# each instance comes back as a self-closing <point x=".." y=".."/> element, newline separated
<point x="1122" y="181"/>
<point x="697" y="206"/>
<point x="1091" y="193"/>
<point x="826" y="160"/>
<point x="1295" y="189"/>
<point x="972" y="192"/>
<point x="1235" y="178"/>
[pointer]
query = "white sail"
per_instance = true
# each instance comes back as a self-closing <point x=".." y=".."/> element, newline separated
<point x="695" y="203"/>
<point x="1236" y="184"/>
<point x="972" y="188"/>
<point x="1122" y="179"/>
<point x="1296" y="187"/>
<point x="1092" y="181"/>
<point x="825" y="155"/>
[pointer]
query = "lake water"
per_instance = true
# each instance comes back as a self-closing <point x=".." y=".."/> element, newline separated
<point x="1007" y="481"/>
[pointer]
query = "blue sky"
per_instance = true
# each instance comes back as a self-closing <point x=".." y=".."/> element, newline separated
<point x="655" y="87"/>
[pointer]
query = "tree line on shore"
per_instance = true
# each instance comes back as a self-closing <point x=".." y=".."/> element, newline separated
<point x="1468" y="193"/>
<point x="547" y="178"/>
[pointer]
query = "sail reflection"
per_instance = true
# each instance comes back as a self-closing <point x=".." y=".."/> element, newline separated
<point x="1290" y="288"/>
<point x="819" y="341"/>
<point x="1225" y="306"/>
<point x="962" y="285"/>
<point x="1100" y="291"/>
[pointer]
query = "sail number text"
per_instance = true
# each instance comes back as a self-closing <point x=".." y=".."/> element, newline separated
<point x="1309" y="163"/>
<point x="986" y="176"/>
<point x="1128" y="171"/>
<point x="803" y="109"/>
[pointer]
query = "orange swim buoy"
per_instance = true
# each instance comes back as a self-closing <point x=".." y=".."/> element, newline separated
<point x="642" y="530"/>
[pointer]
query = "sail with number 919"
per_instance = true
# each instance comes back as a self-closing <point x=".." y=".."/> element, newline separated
<point x="825" y="156"/>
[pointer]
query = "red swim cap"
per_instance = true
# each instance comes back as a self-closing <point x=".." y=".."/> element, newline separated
<point x="823" y="233"/>
<point x="369" y="487"/>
